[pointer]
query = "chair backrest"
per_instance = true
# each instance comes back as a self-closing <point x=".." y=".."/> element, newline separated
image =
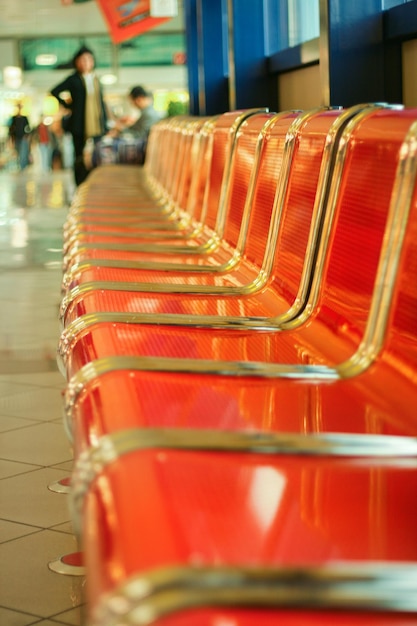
<point x="360" y="198"/>
<point x="160" y="149"/>
<point x="390" y="342"/>
<point x="217" y="184"/>
<point x="152" y="146"/>
<point x="402" y="338"/>
<point x="288" y="197"/>
<point x="172" y="150"/>
<point x="190" y="191"/>
<point x="246" y="177"/>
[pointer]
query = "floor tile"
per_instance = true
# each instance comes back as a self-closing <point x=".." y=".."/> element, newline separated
<point x="28" y="585"/>
<point x="67" y="465"/>
<point x="33" y="403"/>
<point x="49" y="622"/>
<point x="52" y="379"/>
<point x="43" y="444"/>
<point x="12" y="530"/>
<point x="35" y="523"/>
<point x="66" y="527"/>
<point x="13" y="423"/>
<point x="26" y="499"/>
<point x="14" y="468"/>
<point x="74" y="617"/>
<point x="15" y="618"/>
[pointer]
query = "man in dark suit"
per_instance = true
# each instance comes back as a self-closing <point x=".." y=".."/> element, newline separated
<point x="88" y="115"/>
<point x="19" y="133"/>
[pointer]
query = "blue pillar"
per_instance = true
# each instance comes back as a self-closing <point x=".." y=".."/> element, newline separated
<point x="190" y="13"/>
<point x="352" y="52"/>
<point x="251" y="85"/>
<point x="207" y="55"/>
<point x="399" y="23"/>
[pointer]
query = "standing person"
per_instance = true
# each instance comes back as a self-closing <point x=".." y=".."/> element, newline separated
<point x="43" y="136"/>
<point x="19" y="133"/>
<point x="88" y="112"/>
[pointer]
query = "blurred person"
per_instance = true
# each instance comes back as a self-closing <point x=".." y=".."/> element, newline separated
<point x="19" y="133"/>
<point x="135" y="134"/>
<point x="126" y="141"/>
<point x="44" y="138"/>
<point x="88" y="118"/>
<point x="142" y="100"/>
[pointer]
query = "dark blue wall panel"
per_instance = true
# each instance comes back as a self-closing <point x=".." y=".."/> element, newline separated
<point x="253" y="83"/>
<point x="207" y="55"/>
<point x="356" y="52"/>
<point x="190" y="13"/>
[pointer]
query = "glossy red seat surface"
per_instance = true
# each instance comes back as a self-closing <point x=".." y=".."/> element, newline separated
<point x="196" y="214"/>
<point x="214" y="184"/>
<point x="268" y="617"/>
<point x="168" y="206"/>
<point x="356" y="236"/>
<point x="341" y="295"/>
<point x="133" y="184"/>
<point x="377" y="394"/>
<point x="286" y="157"/>
<point x="196" y="507"/>
<point x="162" y="509"/>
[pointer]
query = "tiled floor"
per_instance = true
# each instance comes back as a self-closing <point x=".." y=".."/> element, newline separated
<point x="35" y="523"/>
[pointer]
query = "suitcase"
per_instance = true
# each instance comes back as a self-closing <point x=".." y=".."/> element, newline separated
<point x="126" y="150"/>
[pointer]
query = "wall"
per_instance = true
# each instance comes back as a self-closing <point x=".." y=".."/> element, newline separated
<point x="300" y="89"/>
<point x="409" y="54"/>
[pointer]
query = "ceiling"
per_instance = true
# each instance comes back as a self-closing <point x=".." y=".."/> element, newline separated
<point x="44" y="19"/>
<point x="34" y="18"/>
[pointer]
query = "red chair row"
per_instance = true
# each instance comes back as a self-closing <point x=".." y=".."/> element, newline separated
<point x="240" y="344"/>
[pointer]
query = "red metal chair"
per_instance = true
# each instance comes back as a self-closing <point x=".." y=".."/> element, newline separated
<point x="342" y="286"/>
<point x="372" y="389"/>
<point x="135" y="184"/>
<point x="165" y="203"/>
<point x="265" y="182"/>
<point x="196" y="508"/>
<point x="287" y="197"/>
<point x="189" y="530"/>
<point x="221" y="152"/>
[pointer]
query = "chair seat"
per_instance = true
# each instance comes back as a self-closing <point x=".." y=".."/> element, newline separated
<point x="192" y="509"/>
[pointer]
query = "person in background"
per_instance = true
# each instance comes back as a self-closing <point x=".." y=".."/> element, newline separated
<point x="43" y="136"/>
<point x="126" y="141"/>
<point x="88" y="117"/>
<point x="19" y="133"/>
<point x="142" y="100"/>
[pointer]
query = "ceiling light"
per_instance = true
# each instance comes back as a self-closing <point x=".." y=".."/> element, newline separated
<point x="46" y="59"/>
<point x="108" y="79"/>
<point x="12" y="77"/>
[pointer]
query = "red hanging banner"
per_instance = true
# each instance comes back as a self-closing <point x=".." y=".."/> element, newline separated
<point x="128" y="18"/>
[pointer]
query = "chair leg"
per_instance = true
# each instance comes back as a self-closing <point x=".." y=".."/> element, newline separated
<point x="68" y="564"/>
<point x="61" y="486"/>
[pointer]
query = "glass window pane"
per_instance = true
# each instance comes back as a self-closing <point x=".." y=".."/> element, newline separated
<point x="303" y="21"/>
<point x="388" y="4"/>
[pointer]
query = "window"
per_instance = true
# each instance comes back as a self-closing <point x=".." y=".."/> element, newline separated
<point x="388" y="4"/>
<point x="303" y="21"/>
